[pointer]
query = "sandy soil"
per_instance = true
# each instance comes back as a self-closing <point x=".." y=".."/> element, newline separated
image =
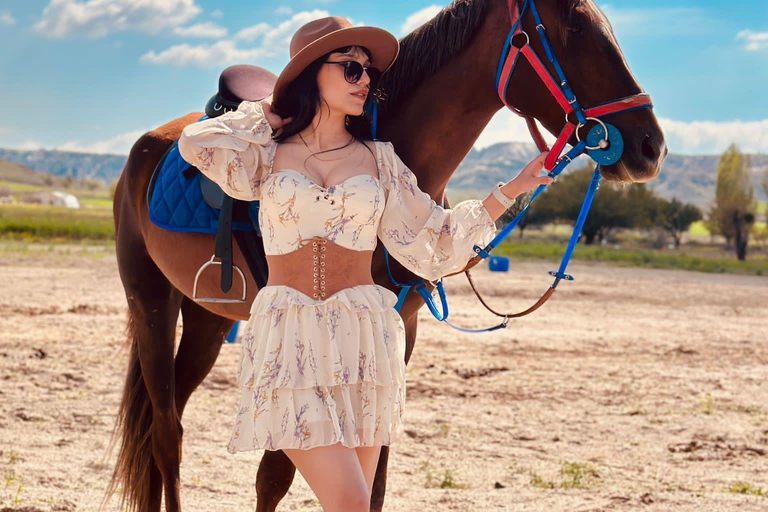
<point x="631" y="389"/>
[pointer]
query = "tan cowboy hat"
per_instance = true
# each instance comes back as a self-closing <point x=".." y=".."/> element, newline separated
<point x="318" y="37"/>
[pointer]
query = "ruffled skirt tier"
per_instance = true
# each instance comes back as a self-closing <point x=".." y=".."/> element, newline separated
<point x="319" y="372"/>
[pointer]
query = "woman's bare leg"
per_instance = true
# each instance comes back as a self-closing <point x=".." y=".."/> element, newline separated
<point x="334" y="474"/>
<point x="369" y="460"/>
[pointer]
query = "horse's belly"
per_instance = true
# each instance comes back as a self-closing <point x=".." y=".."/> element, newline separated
<point x="180" y="255"/>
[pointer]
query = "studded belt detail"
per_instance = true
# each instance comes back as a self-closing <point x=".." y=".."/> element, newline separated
<point x="321" y="243"/>
<point x="308" y="269"/>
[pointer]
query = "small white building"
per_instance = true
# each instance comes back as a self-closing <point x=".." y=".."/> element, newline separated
<point x="66" y="200"/>
<point x="55" y="198"/>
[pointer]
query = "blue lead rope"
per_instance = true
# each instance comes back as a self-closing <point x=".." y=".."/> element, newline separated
<point x="420" y="286"/>
<point x="593" y="186"/>
<point x="560" y="274"/>
<point x="441" y="314"/>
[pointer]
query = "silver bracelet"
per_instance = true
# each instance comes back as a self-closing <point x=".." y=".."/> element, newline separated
<point x="505" y="200"/>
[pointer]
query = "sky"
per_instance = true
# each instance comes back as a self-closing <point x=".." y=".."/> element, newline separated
<point x="93" y="75"/>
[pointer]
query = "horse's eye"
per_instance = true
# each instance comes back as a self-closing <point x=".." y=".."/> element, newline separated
<point x="574" y="28"/>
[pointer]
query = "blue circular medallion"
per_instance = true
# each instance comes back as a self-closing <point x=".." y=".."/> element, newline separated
<point x="612" y="153"/>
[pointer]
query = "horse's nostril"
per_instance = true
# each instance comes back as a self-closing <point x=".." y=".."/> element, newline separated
<point x="648" y="148"/>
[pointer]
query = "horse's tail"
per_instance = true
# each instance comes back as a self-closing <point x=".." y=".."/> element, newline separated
<point x="134" y="421"/>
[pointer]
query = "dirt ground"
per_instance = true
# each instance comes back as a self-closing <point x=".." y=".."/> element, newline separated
<point x="632" y="389"/>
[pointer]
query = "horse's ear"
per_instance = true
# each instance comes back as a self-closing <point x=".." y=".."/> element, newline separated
<point x="567" y="7"/>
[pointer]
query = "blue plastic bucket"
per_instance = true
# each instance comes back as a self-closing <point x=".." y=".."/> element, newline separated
<point x="498" y="263"/>
<point x="232" y="336"/>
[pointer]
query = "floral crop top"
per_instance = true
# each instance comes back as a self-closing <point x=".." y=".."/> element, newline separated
<point x="236" y="150"/>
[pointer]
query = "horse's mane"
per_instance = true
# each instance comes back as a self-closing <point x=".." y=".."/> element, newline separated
<point x="428" y="48"/>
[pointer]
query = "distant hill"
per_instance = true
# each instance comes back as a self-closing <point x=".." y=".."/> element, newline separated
<point x="17" y="173"/>
<point x="82" y="166"/>
<point x="689" y="178"/>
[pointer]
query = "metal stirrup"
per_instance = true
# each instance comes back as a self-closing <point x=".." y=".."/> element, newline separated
<point x="218" y="299"/>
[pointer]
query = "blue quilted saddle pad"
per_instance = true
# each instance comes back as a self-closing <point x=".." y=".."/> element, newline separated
<point x="176" y="202"/>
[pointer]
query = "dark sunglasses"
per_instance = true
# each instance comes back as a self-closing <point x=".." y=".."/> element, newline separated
<point x="353" y="71"/>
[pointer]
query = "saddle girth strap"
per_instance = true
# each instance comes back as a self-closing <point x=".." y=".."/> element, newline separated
<point x="253" y="251"/>
<point x="223" y="247"/>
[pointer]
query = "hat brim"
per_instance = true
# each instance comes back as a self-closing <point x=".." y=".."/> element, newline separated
<point x="384" y="48"/>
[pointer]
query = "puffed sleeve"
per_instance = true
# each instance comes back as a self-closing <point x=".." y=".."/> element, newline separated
<point x="427" y="239"/>
<point x="232" y="149"/>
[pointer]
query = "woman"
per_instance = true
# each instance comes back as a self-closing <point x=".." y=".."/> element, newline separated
<point x="322" y="374"/>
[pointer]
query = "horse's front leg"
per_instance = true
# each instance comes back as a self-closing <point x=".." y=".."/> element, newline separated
<point x="380" y="481"/>
<point x="409" y="312"/>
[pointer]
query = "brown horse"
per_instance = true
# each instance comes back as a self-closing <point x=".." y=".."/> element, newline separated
<point x="441" y="95"/>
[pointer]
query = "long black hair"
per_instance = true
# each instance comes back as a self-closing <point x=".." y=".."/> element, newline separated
<point x="302" y="99"/>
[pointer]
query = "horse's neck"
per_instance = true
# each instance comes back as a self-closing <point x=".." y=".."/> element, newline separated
<point x="435" y="128"/>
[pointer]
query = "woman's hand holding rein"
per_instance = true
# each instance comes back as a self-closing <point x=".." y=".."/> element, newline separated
<point x="527" y="179"/>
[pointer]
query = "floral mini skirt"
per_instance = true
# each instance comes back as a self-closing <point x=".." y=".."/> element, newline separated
<point x="319" y="372"/>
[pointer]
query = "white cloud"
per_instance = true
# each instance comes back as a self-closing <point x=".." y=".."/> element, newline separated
<point x="216" y="14"/>
<point x="28" y="145"/>
<point x="284" y="10"/>
<point x="418" y="18"/>
<point x="204" y="55"/>
<point x="250" y="34"/>
<point x="274" y="42"/>
<point x="120" y="145"/>
<point x="6" y="18"/>
<point x="277" y="39"/>
<point x="693" y="137"/>
<point x="97" y="18"/>
<point x="206" y="29"/>
<point x="642" y="21"/>
<point x="754" y="40"/>
<point x="712" y="137"/>
<point x="506" y="126"/>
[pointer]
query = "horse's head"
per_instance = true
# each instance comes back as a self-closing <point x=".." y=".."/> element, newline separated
<point x="585" y="46"/>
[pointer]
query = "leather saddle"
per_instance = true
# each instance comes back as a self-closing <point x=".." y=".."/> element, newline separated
<point x="237" y="83"/>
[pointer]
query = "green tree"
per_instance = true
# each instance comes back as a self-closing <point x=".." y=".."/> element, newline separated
<point x="676" y="217"/>
<point x="764" y="183"/>
<point x="615" y="205"/>
<point x="92" y="184"/>
<point x="734" y="208"/>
